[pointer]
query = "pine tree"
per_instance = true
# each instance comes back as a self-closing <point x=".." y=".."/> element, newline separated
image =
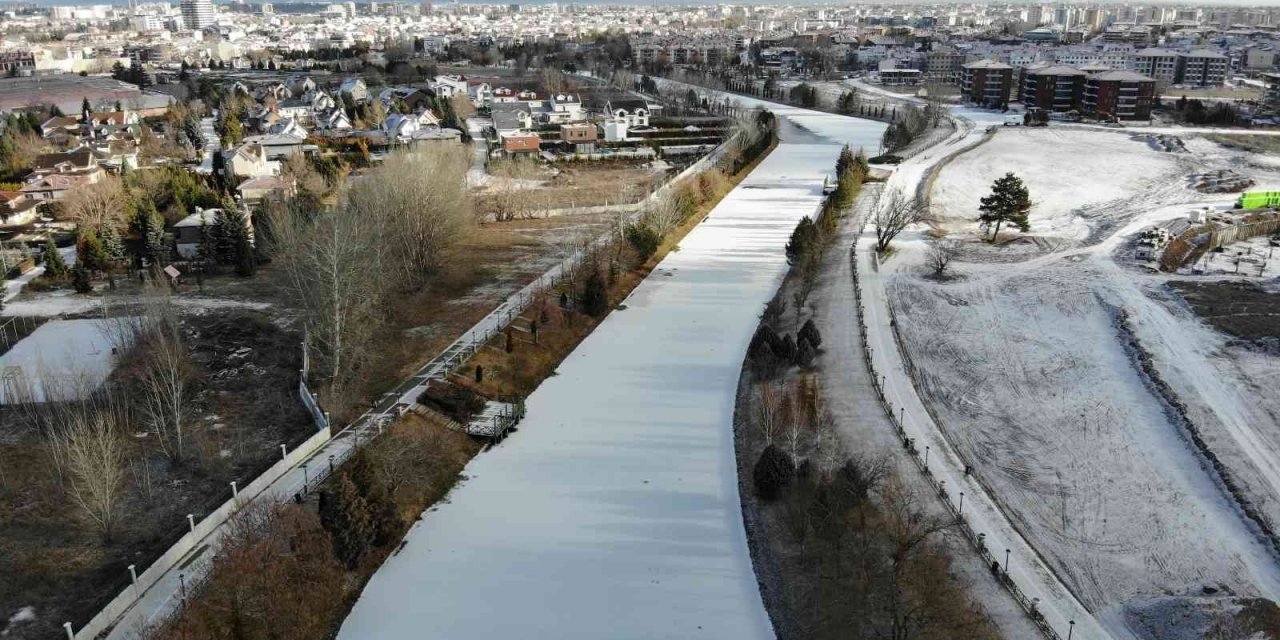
<point x="346" y="515"/>
<point x="844" y="161"/>
<point x="240" y="245"/>
<point x="80" y="279"/>
<point x="54" y="266"/>
<point x="595" y="299"/>
<point x="112" y="243"/>
<point x="147" y="224"/>
<point x="1009" y="202"/>
<point x="90" y="253"/>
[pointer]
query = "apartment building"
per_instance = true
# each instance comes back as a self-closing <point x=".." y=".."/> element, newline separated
<point x="1119" y="95"/>
<point x="1202" y="68"/>
<point x="1271" y="90"/>
<point x="986" y="83"/>
<point x="943" y="65"/>
<point x="1056" y="88"/>
<point x="1160" y="64"/>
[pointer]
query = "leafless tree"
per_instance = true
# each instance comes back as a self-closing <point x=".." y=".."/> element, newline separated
<point x="891" y="212"/>
<point x="418" y="206"/>
<point x="796" y="419"/>
<point x="165" y="377"/>
<point x="939" y="255"/>
<point x="766" y="411"/>
<point x="664" y="213"/>
<point x="95" y="457"/>
<point x="96" y="205"/>
<point x="331" y="266"/>
<point x="508" y="190"/>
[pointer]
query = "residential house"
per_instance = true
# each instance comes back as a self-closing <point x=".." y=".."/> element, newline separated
<point x="249" y="161"/>
<point x="335" y="120"/>
<point x="78" y="162"/>
<point x="511" y="117"/>
<point x="564" y="108"/>
<point x="17" y="208"/>
<point x="520" y="143"/>
<point x="480" y="93"/>
<point x="580" y="136"/>
<point x="503" y="95"/>
<point x="295" y="109"/>
<point x="986" y="83"/>
<point x="355" y="89"/>
<point x="277" y="146"/>
<point x="634" y="112"/>
<point x="287" y="127"/>
<point x="400" y="127"/>
<point x="188" y="233"/>
<point x="448" y="86"/>
<point x="320" y="101"/>
<point x="255" y="190"/>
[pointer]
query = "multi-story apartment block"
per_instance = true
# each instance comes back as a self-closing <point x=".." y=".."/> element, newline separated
<point x="1271" y="90"/>
<point x="986" y="83"/>
<point x="1056" y="88"/>
<point x="1160" y="64"/>
<point x="1120" y="95"/>
<point x="943" y="64"/>
<point x="1202" y="68"/>
<point x="197" y="14"/>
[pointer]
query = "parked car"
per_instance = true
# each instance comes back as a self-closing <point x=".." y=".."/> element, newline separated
<point x="1013" y="120"/>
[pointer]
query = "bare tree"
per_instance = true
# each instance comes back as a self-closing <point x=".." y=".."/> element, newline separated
<point x="332" y="268"/>
<point x="96" y="205"/>
<point x="165" y="377"/>
<point x="939" y="255"/>
<point x="796" y="419"/>
<point x="766" y="413"/>
<point x="894" y="211"/>
<point x="418" y="206"/>
<point x="95" y="457"/>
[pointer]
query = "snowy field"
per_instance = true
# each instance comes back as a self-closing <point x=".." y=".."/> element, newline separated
<point x="1036" y="390"/>
<point x="1074" y="175"/>
<point x="1032" y="381"/>
<point x="60" y="360"/>
<point x="613" y="512"/>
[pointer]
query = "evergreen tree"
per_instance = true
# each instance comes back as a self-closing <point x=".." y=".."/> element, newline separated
<point x="80" y="279"/>
<point x="149" y="226"/>
<point x="90" y="253"/>
<point x="112" y="243"/>
<point x="238" y="248"/>
<point x="1009" y="202"/>
<point x="346" y="515"/>
<point x="595" y="297"/>
<point x="845" y="161"/>
<point x="54" y="266"/>
<point x="85" y="110"/>
<point x="207" y="254"/>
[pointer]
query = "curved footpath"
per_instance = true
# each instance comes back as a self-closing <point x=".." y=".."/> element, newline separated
<point x="614" y="510"/>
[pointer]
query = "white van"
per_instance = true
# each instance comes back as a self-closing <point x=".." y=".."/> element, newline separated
<point x="1013" y="120"/>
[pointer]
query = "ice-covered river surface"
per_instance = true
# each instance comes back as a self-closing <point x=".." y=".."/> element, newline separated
<point x="613" y="512"/>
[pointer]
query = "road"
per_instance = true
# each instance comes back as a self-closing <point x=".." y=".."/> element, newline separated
<point x="614" y="511"/>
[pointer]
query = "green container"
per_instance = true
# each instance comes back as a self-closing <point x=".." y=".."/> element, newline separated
<point x="1258" y="199"/>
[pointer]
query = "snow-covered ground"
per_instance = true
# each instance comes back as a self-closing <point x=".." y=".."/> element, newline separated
<point x="1071" y="174"/>
<point x="60" y="360"/>
<point x="613" y="511"/>
<point x="1034" y="387"/>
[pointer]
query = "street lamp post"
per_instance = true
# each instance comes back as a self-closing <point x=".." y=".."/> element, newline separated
<point x="1071" y="628"/>
<point x="1006" y="562"/>
<point x="961" y="509"/>
<point x="926" y="455"/>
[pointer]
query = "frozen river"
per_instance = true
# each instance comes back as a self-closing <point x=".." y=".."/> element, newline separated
<point x="613" y="512"/>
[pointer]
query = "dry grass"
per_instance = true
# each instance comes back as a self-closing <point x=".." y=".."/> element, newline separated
<point x="519" y="372"/>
